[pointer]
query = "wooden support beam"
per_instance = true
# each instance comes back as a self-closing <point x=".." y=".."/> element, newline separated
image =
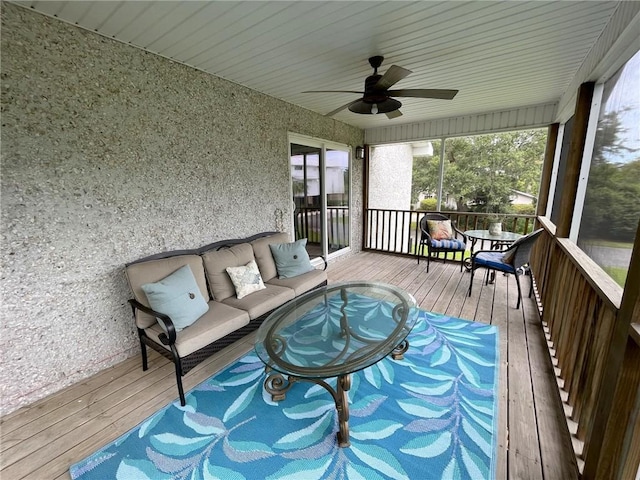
<point x="614" y="438"/>
<point x="547" y="169"/>
<point x="574" y="159"/>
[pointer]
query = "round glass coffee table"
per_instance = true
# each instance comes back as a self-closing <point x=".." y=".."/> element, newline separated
<point x="334" y="331"/>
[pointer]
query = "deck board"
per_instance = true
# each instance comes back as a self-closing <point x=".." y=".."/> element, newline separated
<point x="42" y="440"/>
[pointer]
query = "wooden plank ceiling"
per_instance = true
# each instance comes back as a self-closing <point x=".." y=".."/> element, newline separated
<point x="500" y="55"/>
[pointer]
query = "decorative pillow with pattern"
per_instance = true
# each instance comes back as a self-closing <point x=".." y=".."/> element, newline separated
<point x="246" y="279"/>
<point x="440" y="229"/>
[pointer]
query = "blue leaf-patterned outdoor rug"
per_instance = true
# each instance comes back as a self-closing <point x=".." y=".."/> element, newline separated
<point x="430" y="416"/>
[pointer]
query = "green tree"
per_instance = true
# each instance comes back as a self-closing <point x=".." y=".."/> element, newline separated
<point x="483" y="170"/>
<point x="611" y="207"/>
<point x="426" y="171"/>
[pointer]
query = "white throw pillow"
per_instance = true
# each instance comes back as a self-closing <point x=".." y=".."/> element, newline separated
<point x="246" y="279"/>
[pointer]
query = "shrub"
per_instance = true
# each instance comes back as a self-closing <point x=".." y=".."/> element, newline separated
<point x="524" y="209"/>
<point x="429" y="204"/>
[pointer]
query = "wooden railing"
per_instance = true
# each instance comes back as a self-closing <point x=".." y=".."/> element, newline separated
<point x="398" y="231"/>
<point x="596" y="343"/>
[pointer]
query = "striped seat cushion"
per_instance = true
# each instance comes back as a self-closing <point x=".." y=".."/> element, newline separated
<point x="450" y="244"/>
<point x="494" y="260"/>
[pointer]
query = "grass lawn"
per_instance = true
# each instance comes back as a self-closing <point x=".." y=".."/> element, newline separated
<point x="619" y="274"/>
<point x="608" y="243"/>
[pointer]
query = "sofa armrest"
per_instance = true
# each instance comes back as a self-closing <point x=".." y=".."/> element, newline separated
<point x="323" y="259"/>
<point x="168" y="338"/>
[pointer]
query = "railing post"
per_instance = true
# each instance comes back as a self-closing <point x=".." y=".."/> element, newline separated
<point x="547" y="169"/>
<point x="574" y="160"/>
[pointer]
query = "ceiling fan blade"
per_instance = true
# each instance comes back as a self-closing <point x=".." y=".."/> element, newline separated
<point x="394" y="114"/>
<point x="424" y="93"/>
<point x="339" y="109"/>
<point x="393" y="75"/>
<point x="332" y="91"/>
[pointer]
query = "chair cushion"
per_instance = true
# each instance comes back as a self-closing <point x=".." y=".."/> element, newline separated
<point x="509" y="256"/>
<point x="153" y="270"/>
<point x="493" y="260"/>
<point x="440" y="229"/>
<point x="178" y="296"/>
<point x="246" y="279"/>
<point x="511" y="251"/>
<point x="291" y="259"/>
<point x="216" y="263"/>
<point x="264" y="258"/>
<point x="451" y="244"/>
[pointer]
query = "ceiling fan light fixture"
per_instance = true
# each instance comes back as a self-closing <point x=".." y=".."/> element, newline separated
<point x="374" y="108"/>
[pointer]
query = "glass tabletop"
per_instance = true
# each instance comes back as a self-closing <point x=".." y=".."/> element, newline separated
<point x="336" y="330"/>
<point x="485" y="235"/>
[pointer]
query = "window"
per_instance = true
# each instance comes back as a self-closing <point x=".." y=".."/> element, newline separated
<point x="612" y="199"/>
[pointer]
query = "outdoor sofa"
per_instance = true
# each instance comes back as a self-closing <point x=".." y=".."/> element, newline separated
<point x="209" y="297"/>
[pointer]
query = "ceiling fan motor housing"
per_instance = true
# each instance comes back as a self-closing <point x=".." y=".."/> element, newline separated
<point x="371" y="95"/>
<point x="386" y="105"/>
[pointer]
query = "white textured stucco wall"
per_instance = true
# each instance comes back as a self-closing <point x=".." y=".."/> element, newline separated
<point x="110" y="154"/>
<point x="390" y="171"/>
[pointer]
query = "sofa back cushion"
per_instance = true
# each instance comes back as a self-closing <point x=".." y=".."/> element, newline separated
<point x="263" y="255"/>
<point x="139" y="274"/>
<point x="216" y="263"/>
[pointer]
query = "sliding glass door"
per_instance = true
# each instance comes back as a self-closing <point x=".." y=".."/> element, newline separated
<point x="320" y="187"/>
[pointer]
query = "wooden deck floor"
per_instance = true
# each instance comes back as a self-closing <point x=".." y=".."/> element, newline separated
<point x="41" y="441"/>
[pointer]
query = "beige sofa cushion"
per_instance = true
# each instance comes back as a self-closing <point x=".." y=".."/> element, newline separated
<point x="262" y="301"/>
<point x="263" y="255"/>
<point x="302" y="283"/>
<point x="154" y="270"/>
<point x="215" y="264"/>
<point x="219" y="321"/>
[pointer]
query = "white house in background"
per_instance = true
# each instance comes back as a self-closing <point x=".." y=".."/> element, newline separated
<point x="336" y="165"/>
<point x="522" y="198"/>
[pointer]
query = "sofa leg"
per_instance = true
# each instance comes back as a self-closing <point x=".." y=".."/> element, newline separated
<point x="178" y="365"/>
<point x="143" y="351"/>
<point x="183" y="401"/>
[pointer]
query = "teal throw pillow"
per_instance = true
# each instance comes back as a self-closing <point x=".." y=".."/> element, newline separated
<point x="291" y="259"/>
<point x="177" y="296"/>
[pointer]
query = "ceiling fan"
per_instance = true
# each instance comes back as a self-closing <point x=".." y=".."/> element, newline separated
<point x="377" y="96"/>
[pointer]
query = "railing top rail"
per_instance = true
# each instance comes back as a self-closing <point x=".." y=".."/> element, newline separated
<point x="606" y="288"/>
<point x="546" y="223"/>
<point x="455" y="212"/>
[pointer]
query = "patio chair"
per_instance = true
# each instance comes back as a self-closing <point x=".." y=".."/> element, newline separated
<point x="441" y="236"/>
<point x="514" y="259"/>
